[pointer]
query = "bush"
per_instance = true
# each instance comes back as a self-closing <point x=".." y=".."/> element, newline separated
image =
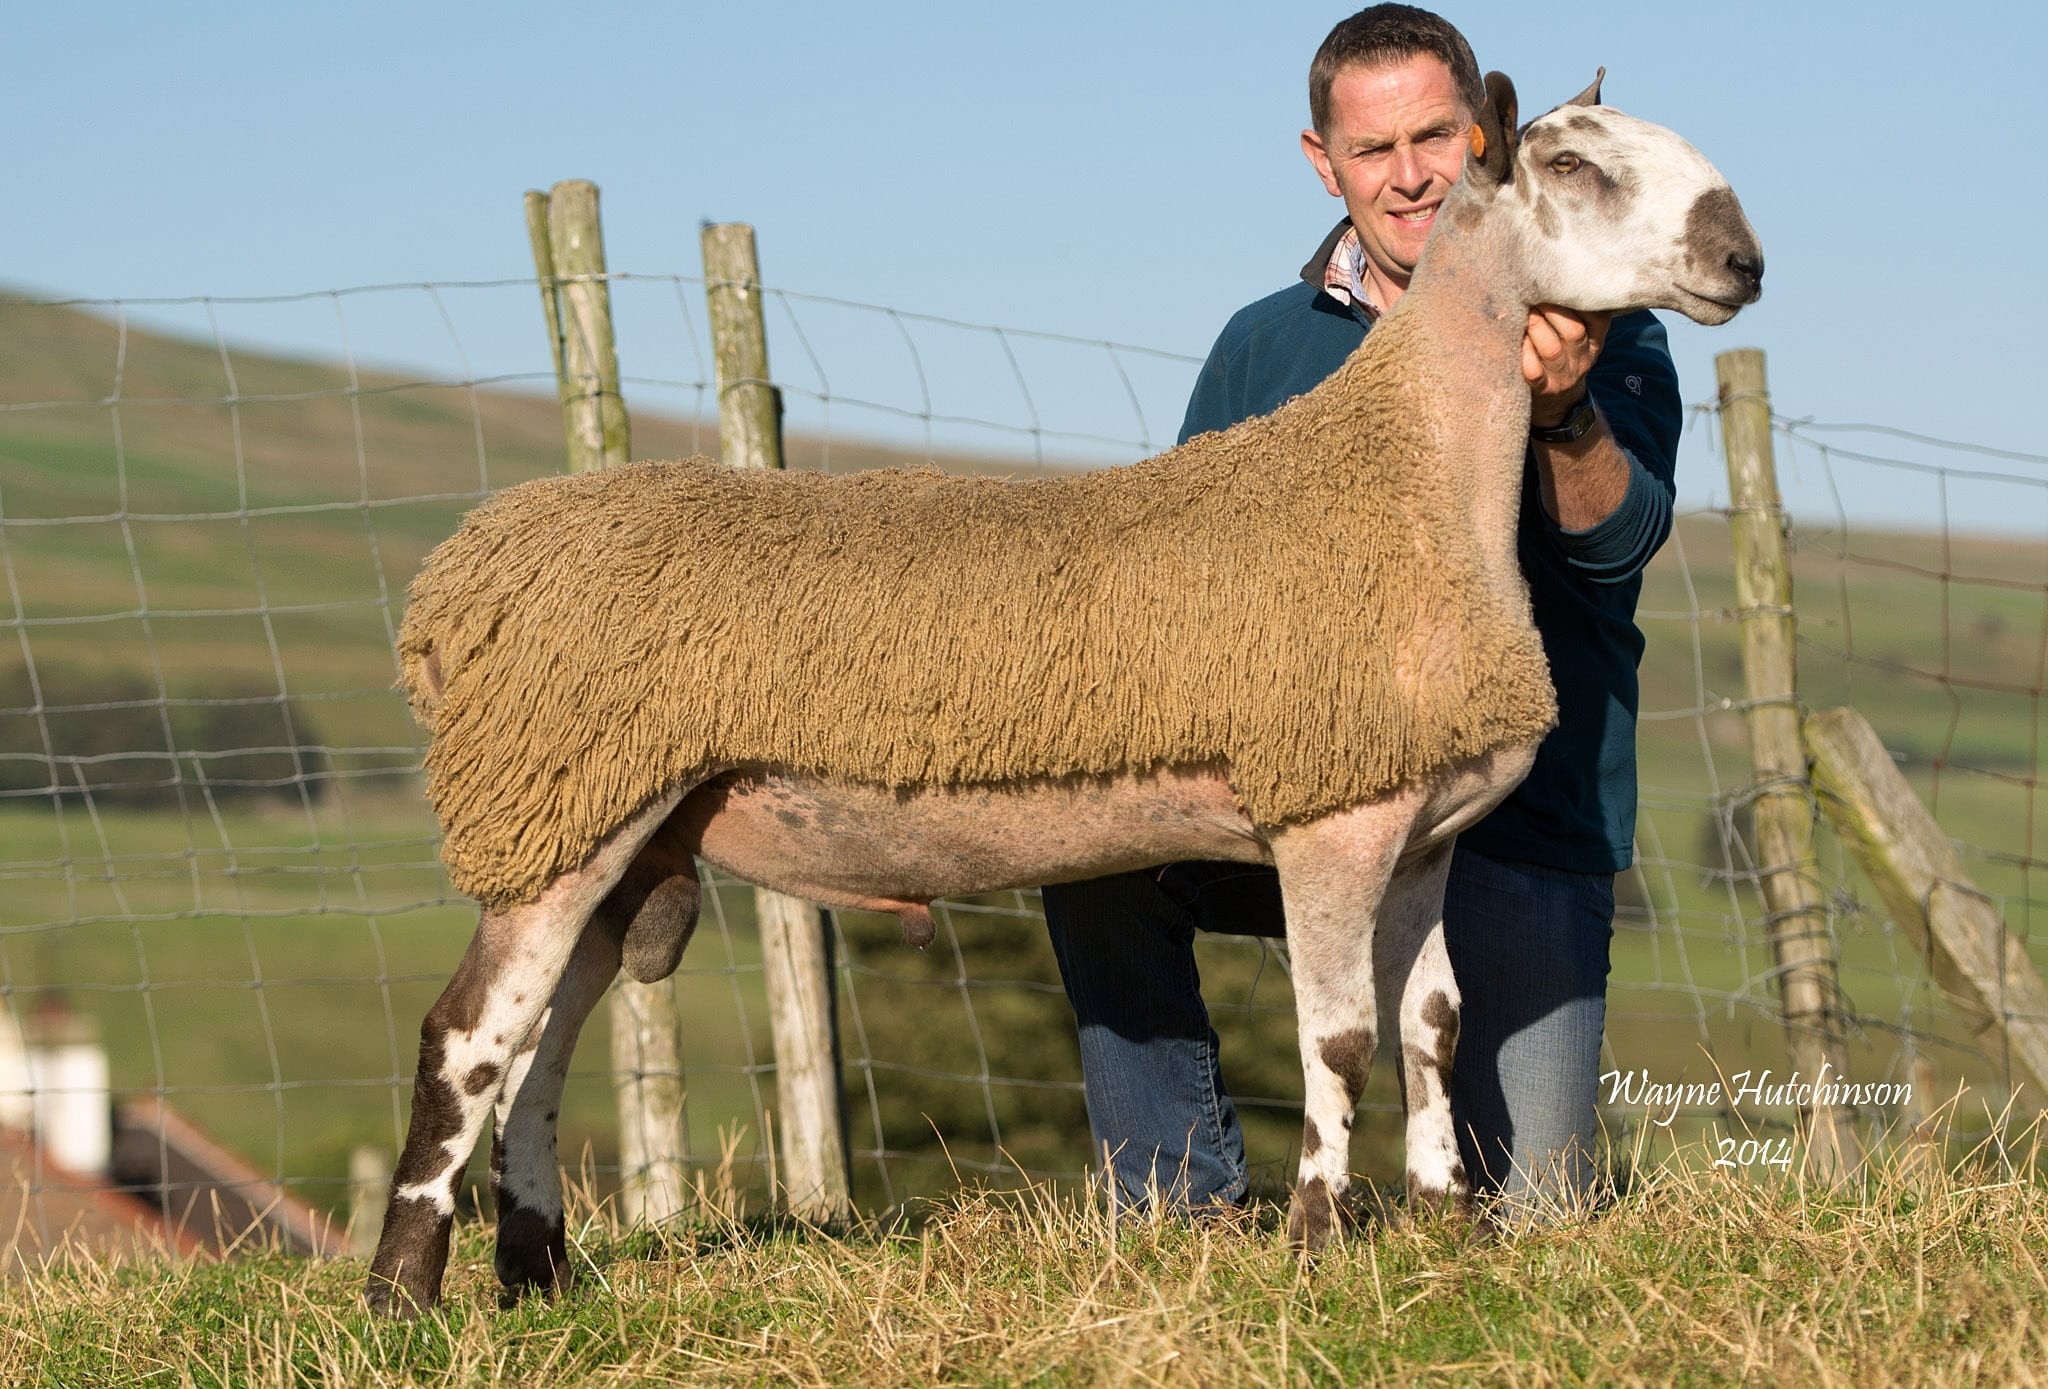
<point x="111" y="734"/>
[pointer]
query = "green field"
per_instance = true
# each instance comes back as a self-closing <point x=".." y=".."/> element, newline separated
<point x="264" y="956"/>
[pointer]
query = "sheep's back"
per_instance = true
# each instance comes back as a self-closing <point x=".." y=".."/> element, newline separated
<point x="602" y="638"/>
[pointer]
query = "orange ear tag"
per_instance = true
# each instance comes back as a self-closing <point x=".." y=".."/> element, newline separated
<point x="1478" y="143"/>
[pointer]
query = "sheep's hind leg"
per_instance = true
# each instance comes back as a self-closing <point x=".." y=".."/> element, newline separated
<point x="526" y="1174"/>
<point x="1413" y="975"/>
<point x="1334" y="874"/>
<point x="468" y="1045"/>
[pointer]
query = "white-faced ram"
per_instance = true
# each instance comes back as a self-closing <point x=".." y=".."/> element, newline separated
<point x="1304" y="641"/>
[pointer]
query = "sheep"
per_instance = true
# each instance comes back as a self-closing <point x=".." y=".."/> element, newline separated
<point x="1304" y="641"/>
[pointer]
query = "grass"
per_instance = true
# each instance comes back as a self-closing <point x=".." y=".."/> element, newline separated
<point x="1916" y="1274"/>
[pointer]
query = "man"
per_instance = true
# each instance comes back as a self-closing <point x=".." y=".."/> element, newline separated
<point x="1528" y="915"/>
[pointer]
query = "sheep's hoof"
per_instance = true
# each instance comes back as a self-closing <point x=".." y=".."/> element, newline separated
<point x="532" y="1257"/>
<point x="394" y="1300"/>
<point x="400" y="1297"/>
<point x="1315" y="1219"/>
<point x="1440" y="1206"/>
<point x="412" y="1254"/>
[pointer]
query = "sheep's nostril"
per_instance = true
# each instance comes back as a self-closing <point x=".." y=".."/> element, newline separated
<point x="1748" y="263"/>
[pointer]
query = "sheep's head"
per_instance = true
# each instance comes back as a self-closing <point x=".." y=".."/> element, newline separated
<point x="1614" y="212"/>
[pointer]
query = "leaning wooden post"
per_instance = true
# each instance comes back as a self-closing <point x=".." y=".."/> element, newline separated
<point x="1789" y="872"/>
<point x="1981" y="967"/>
<point x="647" y="1072"/>
<point x="793" y="942"/>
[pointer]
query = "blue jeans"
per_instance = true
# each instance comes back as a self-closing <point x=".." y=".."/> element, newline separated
<point x="1529" y="947"/>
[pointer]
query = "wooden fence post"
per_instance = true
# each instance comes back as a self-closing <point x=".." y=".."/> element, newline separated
<point x="646" y="1052"/>
<point x="369" y="1191"/>
<point x="1980" y="967"/>
<point x="1783" y="804"/>
<point x="568" y="253"/>
<point x="794" y="953"/>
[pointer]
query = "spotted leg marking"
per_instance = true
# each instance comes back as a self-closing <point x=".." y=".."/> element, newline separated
<point x="469" y="1043"/>
<point x="1415" y="985"/>
<point x="1333" y="874"/>
<point x="526" y="1173"/>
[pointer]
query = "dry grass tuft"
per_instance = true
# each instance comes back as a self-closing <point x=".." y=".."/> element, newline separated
<point x="1913" y="1274"/>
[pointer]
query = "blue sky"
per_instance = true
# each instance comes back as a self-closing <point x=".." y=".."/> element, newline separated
<point x="1122" y="172"/>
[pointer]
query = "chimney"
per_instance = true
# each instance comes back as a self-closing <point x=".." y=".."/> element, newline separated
<point x="17" y="1107"/>
<point x="69" y="1093"/>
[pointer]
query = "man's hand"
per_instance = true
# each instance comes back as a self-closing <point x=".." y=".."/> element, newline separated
<point x="1558" y="350"/>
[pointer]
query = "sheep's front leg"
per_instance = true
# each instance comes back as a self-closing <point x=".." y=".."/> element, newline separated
<point x="1334" y="874"/>
<point x="468" y="1046"/>
<point x="1414" y="981"/>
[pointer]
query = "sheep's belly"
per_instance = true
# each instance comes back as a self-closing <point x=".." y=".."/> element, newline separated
<point x="870" y="847"/>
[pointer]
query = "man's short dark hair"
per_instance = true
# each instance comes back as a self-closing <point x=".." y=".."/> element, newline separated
<point x="1382" y="34"/>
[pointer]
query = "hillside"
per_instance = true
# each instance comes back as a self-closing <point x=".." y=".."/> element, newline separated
<point x="150" y="524"/>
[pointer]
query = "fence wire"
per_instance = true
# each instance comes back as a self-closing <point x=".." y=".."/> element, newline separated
<point x="216" y="851"/>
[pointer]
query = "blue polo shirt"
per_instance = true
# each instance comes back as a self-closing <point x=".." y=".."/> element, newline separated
<point x="1577" y="809"/>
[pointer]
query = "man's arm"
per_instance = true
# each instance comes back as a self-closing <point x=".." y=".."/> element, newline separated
<point x="1583" y="481"/>
<point x="1607" y="494"/>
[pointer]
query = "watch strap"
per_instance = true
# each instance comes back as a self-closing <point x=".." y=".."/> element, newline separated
<point x="1577" y="425"/>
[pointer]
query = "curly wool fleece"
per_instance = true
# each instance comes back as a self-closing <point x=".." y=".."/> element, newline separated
<point x="1297" y="601"/>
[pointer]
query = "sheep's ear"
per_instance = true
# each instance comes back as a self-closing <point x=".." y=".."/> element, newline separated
<point x="1590" y="96"/>
<point x="1494" y="137"/>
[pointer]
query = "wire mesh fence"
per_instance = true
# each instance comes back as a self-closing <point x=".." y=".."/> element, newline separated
<point x="215" y="847"/>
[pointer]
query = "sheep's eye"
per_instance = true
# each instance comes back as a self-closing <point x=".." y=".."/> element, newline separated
<point x="1565" y="164"/>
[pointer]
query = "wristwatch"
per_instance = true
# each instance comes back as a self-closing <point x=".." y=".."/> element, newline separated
<point x="1576" y="425"/>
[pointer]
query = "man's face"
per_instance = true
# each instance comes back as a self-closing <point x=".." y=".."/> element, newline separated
<point x="1396" y="143"/>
